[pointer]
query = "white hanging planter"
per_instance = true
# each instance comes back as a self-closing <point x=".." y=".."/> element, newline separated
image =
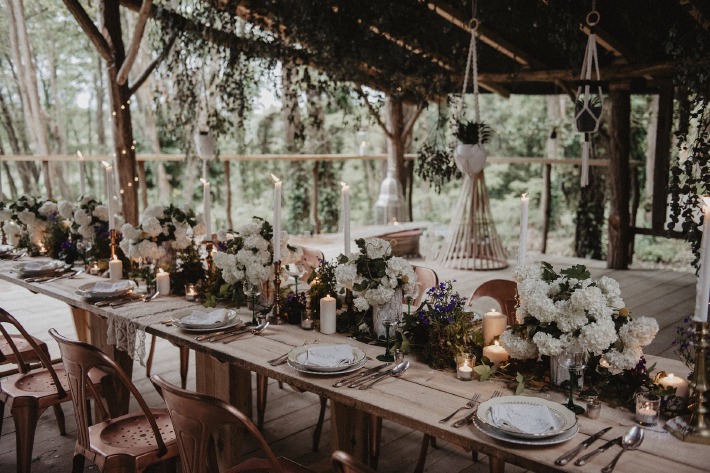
<point x="204" y="144"/>
<point x="470" y="159"/>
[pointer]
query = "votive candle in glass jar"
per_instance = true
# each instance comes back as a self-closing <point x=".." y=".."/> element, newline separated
<point x="464" y="366"/>
<point x="306" y="320"/>
<point x="594" y="408"/>
<point x="648" y="407"/>
<point x="190" y="293"/>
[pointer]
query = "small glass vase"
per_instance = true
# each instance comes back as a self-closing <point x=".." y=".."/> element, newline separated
<point x="559" y="375"/>
<point x="390" y="310"/>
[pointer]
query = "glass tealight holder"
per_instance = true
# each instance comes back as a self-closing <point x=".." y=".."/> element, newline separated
<point x="398" y="356"/>
<point x="190" y="293"/>
<point x="594" y="407"/>
<point x="307" y="322"/>
<point x="648" y="407"/>
<point x="464" y="366"/>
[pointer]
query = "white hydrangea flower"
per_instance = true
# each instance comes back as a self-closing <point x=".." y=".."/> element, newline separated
<point x="87" y="199"/>
<point x="48" y="208"/>
<point x="155" y="211"/>
<point x="361" y="304"/>
<point x="66" y="209"/>
<point x="152" y="226"/>
<point x="625" y="360"/>
<point x="518" y="347"/>
<point x="377" y="248"/>
<point x="547" y="344"/>
<point x="27" y="217"/>
<point x="638" y="332"/>
<point x="101" y="212"/>
<point x="5" y="215"/>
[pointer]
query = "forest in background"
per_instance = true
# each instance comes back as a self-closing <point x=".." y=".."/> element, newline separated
<point x="66" y="110"/>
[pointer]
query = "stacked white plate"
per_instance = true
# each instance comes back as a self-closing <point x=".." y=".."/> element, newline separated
<point x="35" y="269"/>
<point x="230" y="320"/>
<point x="106" y="290"/>
<point x="564" y="422"/>
<point x="297" y="359"/>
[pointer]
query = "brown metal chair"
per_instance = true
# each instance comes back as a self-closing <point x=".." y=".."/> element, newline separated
<point x="503" y="291"/>
<point x="30" y="392"/>
<point x="310" y="260"/>
<point x="426" y="278"/>
<point x="131" y="442"/>
<point x="344" y="463"/>
<point x="26" y="351"/>
<point x="196" y="417"/>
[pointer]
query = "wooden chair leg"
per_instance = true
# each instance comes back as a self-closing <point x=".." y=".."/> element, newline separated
<point x="262" y="386"/>
<point x="26" y="418"/>
<point x="59" y="415"/>
<point x="474" y="456"/>
<point x="374" y="436"/>
<point x="78" y="463"/>
<point x="496" y="465"/>
<point x="423" y="450"/>
<point x="184" y="365"/>
<point x="2" y="413"/>
<point x="149" y="361"/>
<point x="319" y="425"/>
<point x="432" y="440"/>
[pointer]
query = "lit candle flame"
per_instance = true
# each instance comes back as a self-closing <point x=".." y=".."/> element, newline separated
<point x="276" y="179"/>
<point x="107" y="165"/>
<point x="496" y="343"/>
<point x="203" y="181"/>
<point x="525" y="195"/>
<point x="344" y="184"/>
<point x="81" y="156"/>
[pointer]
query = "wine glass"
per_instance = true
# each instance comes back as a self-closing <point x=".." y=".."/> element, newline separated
<point x="296" y="271"/>
<point x="411" y="296"/>
<point x="573" y="359"/>
<point x="253" y="291"/>
<point x="387" y="322"/>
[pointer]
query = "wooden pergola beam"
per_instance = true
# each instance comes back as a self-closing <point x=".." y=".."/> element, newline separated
<point x="455" y="17"/>
<point x="693" y="10"/>
<point x="608" y="42"/>
<point x="138" y="31"/>
<point x="614" y="73"/>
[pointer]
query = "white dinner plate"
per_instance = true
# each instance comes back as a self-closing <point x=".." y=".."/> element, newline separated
<point x="23" y="270"/>
<point x="358" y="357"/>
<point x="563" y="417"/>
<point x="88" y="290"/>
<point x="232" y="321"/>
<point x="5" y="249"/>
<point x="500" y="435"/>
<point x="304" y="369"/>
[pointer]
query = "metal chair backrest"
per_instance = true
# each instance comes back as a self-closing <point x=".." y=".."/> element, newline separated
<point x="344" y="463"/>
<point x="426" y="278"/>
<point x="6" y="318"/>
<point x="196" y="417"/>
<point x="503" y="291"/>
<point x="79" y="359"/>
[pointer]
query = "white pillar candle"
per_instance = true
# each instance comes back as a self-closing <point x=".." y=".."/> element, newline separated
<point x="162" y="282"/>
<point x="496" y="354"/>
<point x="115" y="269"/>
<point x="494" y="323"/>
<point x="327" y="315"/>
<point x="206" y="209"/>
<point x="703" y="285"/>
<point x="346" y="217"/>
<point x="523" y="242"/>
<point x="672" y="381"/>
<point x="82" y="174"/>
<point x="464" y="366"/>
<point x="277" y="219"/>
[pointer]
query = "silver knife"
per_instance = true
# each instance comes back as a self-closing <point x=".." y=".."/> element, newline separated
<point x="372" y="377"/>
<point x="585" y="459"/>
<point x="564" y="459"/>
<point x="359" y="375"/>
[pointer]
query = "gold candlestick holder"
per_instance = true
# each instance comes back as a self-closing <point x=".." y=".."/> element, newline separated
<point x="694" y="427"/>
<point x="112" y="233"/>
<point x="276" y="317"/>
<point x="209" y="274"/>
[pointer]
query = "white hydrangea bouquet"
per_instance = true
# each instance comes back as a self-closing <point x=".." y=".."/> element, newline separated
<point x="29" y="216"/>
<point x="556" y="311"/>
<point x="245" y="256"/>
<point x="162" y="231"/>
<point x="89" y="225"/>
<point x="375" y="277"/>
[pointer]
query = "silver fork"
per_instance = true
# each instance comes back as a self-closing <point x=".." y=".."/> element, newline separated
<point x="469" y="405"/>
<point x="280" y="360"/>
<point x="469" y="418"/>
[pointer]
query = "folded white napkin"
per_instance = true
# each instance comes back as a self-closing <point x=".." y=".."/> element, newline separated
<point x="202" y="319"/>
<point x="39" y="266"/>
<point x="327" y="356"/>
<point x="112" y="287"/>
<point x="525" y="418"/>
<point x="5" y="249"/>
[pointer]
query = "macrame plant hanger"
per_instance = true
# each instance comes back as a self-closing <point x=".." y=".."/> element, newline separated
<point x="472" y="242"/>
<point x="588" y="104"/>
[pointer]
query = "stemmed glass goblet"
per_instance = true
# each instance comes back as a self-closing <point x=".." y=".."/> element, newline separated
<point x="387" y="322"/>
<point x="574" y="360"/>
<point x="253" y="291"/>
<point x="296" y="271"/>
<point x="411" y="296"/>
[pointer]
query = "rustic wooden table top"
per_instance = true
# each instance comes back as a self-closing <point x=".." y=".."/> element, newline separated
<point x="418" y="399"/>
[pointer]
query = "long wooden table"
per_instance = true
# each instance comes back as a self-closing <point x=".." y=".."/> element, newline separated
<point x="418" y="399"/>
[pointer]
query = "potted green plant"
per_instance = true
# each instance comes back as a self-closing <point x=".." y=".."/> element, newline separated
<point x="470" y="154"/>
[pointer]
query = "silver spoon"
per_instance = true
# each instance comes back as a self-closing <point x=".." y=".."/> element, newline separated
<point x="394" y="372"/>
<point x="630" y="441"/>
<point x="231" y="337"/>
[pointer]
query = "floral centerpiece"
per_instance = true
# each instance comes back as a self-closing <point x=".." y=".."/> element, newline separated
<point x="89" y="227"/>
<point x="245" y="257"/>
<point x="440" y="327"/>
<point x="377" y="278"/>
<point x="557" y="311"/>
<point x="30" y="217"/>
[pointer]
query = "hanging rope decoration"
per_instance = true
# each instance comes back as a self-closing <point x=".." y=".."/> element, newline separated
<point x="588" y="105"/>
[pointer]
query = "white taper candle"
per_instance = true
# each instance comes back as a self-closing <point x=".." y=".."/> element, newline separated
<point x="82" y="173"/>
<point x="523" y="242"/>
<point x="277" y="218"/>
<point x="346" y="217"/>
<point x="207" y="206"/>
<point x="703" y="286"/>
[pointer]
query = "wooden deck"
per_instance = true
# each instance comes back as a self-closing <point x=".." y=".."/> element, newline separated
<point x="290" y="416"/>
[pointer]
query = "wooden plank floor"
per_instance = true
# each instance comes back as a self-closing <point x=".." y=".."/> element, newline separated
<point x="290" y="416"/>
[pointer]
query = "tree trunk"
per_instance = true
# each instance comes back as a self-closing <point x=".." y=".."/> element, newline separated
<point x="100" y="92"/>
<point x="28" y="75"/>
<point x="620" y="237"/>
<point x="24" y="167"/>
<point x="662" y="158"/>
<point x="109" y="12"/>
<point x="58" y="169"/>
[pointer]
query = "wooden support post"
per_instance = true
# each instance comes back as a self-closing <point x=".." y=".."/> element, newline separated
<point x="620" y="235"/>
<point x="662" y="158"/>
